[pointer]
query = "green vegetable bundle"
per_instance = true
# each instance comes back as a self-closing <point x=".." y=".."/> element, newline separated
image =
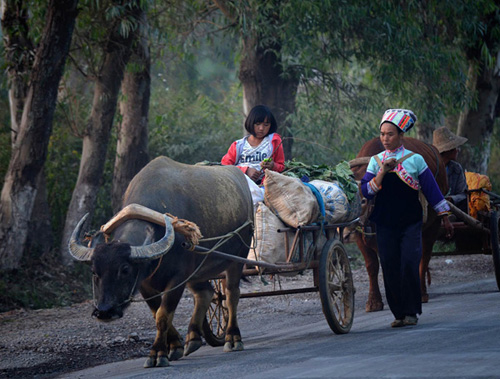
<point x="341" y="173"/>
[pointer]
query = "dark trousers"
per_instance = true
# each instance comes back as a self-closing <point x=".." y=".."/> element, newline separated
<point x="400" y="251"/>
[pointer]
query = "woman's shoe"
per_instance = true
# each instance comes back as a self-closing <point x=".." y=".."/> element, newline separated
<point x="410" y="320"/>
<point x="397" y="323"/>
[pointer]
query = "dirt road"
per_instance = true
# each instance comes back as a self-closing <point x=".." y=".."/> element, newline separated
<point x="55" y="342"/>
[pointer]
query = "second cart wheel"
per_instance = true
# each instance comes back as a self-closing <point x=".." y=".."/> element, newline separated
<point x="336" y="287"/>
<point x="495" y="244"/>
<point x="214" y="325"/>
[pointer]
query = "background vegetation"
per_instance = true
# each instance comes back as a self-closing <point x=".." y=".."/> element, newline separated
<point x="347" y="79"/>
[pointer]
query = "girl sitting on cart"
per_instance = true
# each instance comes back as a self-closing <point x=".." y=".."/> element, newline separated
<point x="259" y="150"/>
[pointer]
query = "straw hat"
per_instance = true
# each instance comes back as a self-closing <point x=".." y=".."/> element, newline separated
<point x="445" y="140"/>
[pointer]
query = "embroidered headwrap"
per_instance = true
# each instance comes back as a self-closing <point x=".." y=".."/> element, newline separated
<point x="403" y="119"/>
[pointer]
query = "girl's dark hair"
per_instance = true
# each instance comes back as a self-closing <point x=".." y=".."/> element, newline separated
<point x="259" y="114"/>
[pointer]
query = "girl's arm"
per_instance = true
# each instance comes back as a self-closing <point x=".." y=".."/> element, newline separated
<point x="230" y="158"/>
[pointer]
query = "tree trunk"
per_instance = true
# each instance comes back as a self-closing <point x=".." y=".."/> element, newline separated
<point x="261" y="73"/>
<point x="19" y="54"/>
<point x="132" y="147"/>
<point x="424" y="132"/>
<point x="477" y="124"/>
<point x="18" y="57"/>
<point x="264" y="82"/>
<point x="30" y="150"/>
<point x="40" y="238"/>
<point x="95" y="142"/>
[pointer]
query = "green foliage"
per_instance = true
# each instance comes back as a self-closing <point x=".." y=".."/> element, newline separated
<point x="43" y="282"/>
<point x="331" y="125"/>
<point x="195" y="108"/>
<point x="194" y="128"/>
<point x="494" y="169"/>
<point x="103" y="209"/>
<point x="340" y="173"/>
<point x="61" y="171"/>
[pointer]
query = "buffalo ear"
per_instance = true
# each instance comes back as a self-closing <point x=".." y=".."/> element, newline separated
<point x="150" y="236"/>
<point x="156" y="249"/>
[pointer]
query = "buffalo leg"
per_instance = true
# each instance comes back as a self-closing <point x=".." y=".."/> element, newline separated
<point x="233" y="336"/>
<point x="168" y="342"/>
<point x="203" y="293"/>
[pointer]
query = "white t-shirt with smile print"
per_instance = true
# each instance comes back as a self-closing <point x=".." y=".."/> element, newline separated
<point x="253" y="156"/>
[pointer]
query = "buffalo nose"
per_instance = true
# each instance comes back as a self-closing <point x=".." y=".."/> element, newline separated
<point x="110" y="314"/>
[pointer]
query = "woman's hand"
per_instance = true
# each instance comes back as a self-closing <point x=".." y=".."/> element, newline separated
<point x="389" y="165"/>
<point x="253" y="174"/>
<point x="448" y="226"/>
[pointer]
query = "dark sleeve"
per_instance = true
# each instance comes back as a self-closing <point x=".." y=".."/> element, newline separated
<point x="432" y="192"/>
<point x="365" y="186"/>
<point x="459" y="193"/>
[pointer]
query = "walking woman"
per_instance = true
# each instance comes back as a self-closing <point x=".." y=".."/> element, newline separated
<point x="395" y="177"/>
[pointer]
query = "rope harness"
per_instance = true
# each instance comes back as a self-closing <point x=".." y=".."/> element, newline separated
<point x="221" y="240"/>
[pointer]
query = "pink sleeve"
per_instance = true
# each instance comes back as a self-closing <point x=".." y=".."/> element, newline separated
<point x="278" y="153"/>
<point x="230" y="158"/>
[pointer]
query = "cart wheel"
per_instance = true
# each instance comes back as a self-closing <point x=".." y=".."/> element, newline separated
<point x="336" y="287"/>
<point x="214" y="325"/>
<point x="495" y="244"/>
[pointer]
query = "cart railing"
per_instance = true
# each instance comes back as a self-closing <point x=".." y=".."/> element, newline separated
<point x="279" y="266"/>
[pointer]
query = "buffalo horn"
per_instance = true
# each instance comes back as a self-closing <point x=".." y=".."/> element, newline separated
<point x="157" y="249"/>
<point x="77" y="250"/>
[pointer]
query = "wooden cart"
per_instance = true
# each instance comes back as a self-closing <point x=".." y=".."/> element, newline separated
<point x="332" y="277"/>
<point x="477" y="236"/>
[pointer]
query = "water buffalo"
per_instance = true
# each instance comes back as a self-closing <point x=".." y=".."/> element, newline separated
<point x="366" y="240"/>
<point x="215" y="198"/>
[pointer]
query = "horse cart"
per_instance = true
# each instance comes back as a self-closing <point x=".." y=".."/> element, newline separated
<point x="332" y="276"/>
<point x="476" y="235"/>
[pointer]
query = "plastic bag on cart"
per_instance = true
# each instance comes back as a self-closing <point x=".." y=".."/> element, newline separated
<point x="269" y="245"/>
<point x="289" y="199"/>
<point x="337" y="206"/>
<point x="256" y="191"/>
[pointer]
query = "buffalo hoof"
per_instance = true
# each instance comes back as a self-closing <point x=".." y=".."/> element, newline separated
<point x="238" y="346"/>
<point x="176" y="354"/>
<point x="150" y="362"/>
<point x="425" y="298"/>
<point x="374" y="306"/>
<point x="228" y="346"/>
<point x="162" y="362"/>
<point x="192" y="346"/>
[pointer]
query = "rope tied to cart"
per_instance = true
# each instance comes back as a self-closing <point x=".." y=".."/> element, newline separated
<point x="221" y="240"/>
<point x="189" y="245"/>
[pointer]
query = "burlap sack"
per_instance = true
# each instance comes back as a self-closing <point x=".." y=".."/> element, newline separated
<point x="289" y="199"/>
<point x="269" y="244"/>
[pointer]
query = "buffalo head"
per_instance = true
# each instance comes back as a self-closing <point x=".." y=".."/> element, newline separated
<point x="118" y="268"/>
